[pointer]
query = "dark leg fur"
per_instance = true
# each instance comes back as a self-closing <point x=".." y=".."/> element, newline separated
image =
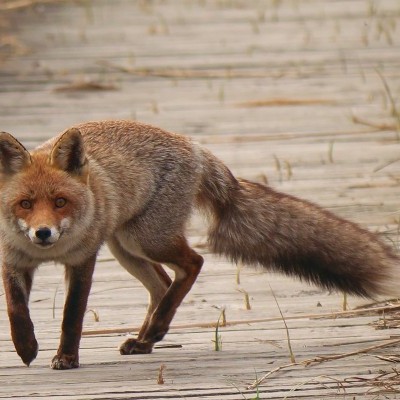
<point x="17" y="286"/>
<point x="151" y="275"/>
<point x="187" y="264"/>
<point x="159" y="270"/>
<point x="79" y="281"/>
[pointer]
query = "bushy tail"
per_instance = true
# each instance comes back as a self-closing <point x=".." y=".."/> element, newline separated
<point x="254" y="224"/>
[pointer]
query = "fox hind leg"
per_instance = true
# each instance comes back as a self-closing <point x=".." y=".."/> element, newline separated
<point x="151" y="275"/>
<point x="186" y="264"/>
<point x="157" y="235"/>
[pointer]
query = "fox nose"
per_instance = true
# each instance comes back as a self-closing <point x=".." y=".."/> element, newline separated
<point x="43" y="233"/>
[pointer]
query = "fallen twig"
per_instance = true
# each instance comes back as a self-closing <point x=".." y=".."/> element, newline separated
<point x="251" y="321"/>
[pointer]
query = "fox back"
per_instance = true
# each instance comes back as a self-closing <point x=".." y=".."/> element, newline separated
<point x="134" y="186"/>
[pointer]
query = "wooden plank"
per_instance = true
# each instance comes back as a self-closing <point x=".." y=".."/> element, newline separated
<point x="270" y="87"/>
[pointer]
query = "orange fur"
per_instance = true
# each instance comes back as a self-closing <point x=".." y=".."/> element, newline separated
<point x="134" y="186"/>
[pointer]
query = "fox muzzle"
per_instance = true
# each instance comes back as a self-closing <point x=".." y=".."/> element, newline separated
<point x="44" y="236"/>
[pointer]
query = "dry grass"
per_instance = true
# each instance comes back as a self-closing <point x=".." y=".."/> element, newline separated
<point x="160" y="377"/>
<point x="394" y="113"/>
<point x="388" y="321"/>
<point x="291" y="353"/>
<point x="10" y="5"/>
<point x="281" y="102"/>
<point x="322" y="359"/>
<point x="384" y="383"/>
<point x="85" y="86"/>
<point x="246" y="298"/>
<point x="95" y="314"/>
<point x="182" y="73"/>
<point x="217" y="337"/>
<point x="375" y="125"/>
<point x="340" y="314"/>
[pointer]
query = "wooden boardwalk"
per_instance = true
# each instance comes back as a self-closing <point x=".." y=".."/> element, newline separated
<point x="302" y="94"/>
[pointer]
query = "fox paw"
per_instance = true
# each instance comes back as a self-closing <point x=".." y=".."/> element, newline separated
<point x="65" y="361"/>
<point x="134" y="346"/>
<point x="28" y="351"/>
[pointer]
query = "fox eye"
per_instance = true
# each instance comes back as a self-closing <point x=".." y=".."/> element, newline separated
<point x="26" y="204"/>
<point x="60" y="202"/>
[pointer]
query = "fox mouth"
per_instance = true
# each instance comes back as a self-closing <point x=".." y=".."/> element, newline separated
<point x="44" y="236"/>
<point x="44" y="245"/>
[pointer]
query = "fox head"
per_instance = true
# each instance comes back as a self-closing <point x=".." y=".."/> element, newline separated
<point x="45" y="193"/>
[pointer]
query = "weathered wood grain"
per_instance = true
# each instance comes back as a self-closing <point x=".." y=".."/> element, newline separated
<point x="275" y="89"/>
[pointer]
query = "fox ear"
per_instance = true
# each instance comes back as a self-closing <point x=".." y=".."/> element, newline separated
<point x="68" y="154"/>
<point x="13" y="155"/>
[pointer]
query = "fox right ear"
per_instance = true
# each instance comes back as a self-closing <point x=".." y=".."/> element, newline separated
<point x="13" y="155"/>
<point x="68" y="154"/>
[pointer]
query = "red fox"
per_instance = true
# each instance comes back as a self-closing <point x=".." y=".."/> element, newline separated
<point x="134" y="186"/>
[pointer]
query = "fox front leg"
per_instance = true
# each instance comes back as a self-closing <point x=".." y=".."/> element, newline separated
<point x="79" y="282"/>
<point x="17" y="286"/>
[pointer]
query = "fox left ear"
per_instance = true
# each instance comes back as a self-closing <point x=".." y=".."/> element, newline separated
<point x="68" y="154"/>
<point x="13" y="155"/>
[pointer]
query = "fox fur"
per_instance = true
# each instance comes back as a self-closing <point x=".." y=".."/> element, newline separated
<point x="134" y="186"/>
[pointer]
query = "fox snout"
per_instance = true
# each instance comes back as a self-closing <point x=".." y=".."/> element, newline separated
<point x="43" y="235"/>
